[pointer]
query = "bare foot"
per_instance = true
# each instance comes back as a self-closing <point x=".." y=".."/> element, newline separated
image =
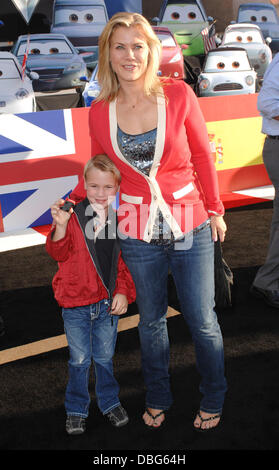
<point x="153" y="418"/>
<point x="205" y="421"/>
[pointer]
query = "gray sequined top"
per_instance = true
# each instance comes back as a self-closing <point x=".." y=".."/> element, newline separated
<point x="139" y="151"/>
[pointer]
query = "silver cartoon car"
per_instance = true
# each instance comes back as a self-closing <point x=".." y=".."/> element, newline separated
<point x="16" y="90"/>
<point x="54" y="58"/>
<point x="226" y="71"/>
<point x="250" y="38"/>
<point x="263" y="15"/>
<point x="82" y="21"/>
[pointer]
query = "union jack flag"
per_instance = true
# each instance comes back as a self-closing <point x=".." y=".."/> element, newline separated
<point x="41" y="158"/>
<point x="25" y="57"/>
<point x="208" y="39"/>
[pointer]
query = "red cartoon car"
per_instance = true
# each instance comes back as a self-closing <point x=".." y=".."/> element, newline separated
<point x="172" y="63"/>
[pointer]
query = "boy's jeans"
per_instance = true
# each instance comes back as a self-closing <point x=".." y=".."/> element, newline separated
<point x="91" y="336"/>
<point x="193" y="272"/>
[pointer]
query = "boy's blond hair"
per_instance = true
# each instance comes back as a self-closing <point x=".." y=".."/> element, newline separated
<point x="102" y="162"/>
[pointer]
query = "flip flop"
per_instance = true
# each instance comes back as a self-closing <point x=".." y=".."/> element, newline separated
<point x="203" y="420"/>
<point x="154" y="418"/>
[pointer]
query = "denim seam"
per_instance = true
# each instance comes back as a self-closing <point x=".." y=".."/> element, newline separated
<point x="111" y="408"/>
<point x="82" y="415"/>
<point x="157" y="407"/>
<point x="211" y="411"/>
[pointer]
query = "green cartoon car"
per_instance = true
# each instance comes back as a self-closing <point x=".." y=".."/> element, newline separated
<point x="189" y="23"/>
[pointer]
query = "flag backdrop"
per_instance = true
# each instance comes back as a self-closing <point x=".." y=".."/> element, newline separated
<point x="42" y="155"/>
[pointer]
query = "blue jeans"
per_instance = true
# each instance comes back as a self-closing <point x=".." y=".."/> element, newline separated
<point x="192" y="268"/>
<point x="91" y="336"/>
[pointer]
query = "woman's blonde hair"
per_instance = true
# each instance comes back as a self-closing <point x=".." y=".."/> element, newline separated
<point x="106" y="77"/>
<point x="102" y="162"/>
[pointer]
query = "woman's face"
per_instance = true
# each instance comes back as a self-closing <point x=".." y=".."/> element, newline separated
<point x="129" y="53"/>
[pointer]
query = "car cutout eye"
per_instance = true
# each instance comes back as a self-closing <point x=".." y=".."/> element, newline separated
<point x="239" y="38"/>
<point x="35" y="51"/>
<point x="54" y="50"/>
<point x="253" y="18"/>
<point x="88" y="17"/>
<point x="235" y="64"/>
<point x="249" y="38"/>
<point x="182" y="12"/>
<point x="192" y="15"/>
<point x="264" y="19"/>
<point x="73" y="17"/>
<point x="220" y="65"/>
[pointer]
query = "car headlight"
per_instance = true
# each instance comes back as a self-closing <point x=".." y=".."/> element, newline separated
<point x="262" y="56"/>
<point x="93" y="93"/>
<point x="175" y="58"/>
<point x="204" y="84"/>
<point x="21" y="94"/>
<point x="249" y="80"/>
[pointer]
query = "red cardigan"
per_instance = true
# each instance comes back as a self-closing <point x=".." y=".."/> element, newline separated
<point x="182" y="181"/>
<point x="77" y="281"/>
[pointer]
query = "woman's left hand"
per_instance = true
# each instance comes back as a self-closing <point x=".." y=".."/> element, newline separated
<point x="218" y="227"/>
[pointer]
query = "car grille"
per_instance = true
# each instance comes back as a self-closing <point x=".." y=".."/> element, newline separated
<point x="49" y="73"/>
<point x="87" y="41"/>
<point x="228" y="86"/>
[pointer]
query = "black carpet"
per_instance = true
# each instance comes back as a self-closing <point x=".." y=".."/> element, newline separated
<point x="32" y="389"/>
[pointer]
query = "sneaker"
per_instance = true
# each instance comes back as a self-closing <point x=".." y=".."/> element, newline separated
<point x="75" y="424"/>
<point x="271" y="297"/>
<point x="118" y="416"/>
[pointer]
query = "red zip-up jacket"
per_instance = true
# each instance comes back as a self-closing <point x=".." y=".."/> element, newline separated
<point x="182" y="181"/>
<point x="79" y="280"/>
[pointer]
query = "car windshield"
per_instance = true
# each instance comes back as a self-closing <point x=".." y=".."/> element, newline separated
<point x="227" y="61"/>
<point x="166" y="40"/>
<point x="242" y="35"/>
<point x="257" y="16"/>
<point x="82" y="14"/>
<point x="182" y="14"/>
<point x="8" y="69"/>
<point x="45" y="47"/>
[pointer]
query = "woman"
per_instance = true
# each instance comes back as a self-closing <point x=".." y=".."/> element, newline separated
<point x="170" y="212"/>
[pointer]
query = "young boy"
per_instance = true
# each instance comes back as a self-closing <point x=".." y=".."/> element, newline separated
<point x="93" y="286"/>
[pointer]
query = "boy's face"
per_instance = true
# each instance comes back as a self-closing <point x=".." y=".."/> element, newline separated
<point x="101" y="187"/>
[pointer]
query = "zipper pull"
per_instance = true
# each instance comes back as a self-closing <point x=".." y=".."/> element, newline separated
<point x="108" y="302"/>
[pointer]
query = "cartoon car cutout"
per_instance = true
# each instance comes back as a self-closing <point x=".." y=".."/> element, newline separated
<point x="250" y="38"/>
<point x="226" y="71"/>
<point x="92" y="88"/>
<point x="16" y="91"/>
<point x="82" y="21"/>
<point x="54" y="58"/>
<point x="172" y="63"/>
<point x="263" y="15"/>
<point x="186" y="20"/>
